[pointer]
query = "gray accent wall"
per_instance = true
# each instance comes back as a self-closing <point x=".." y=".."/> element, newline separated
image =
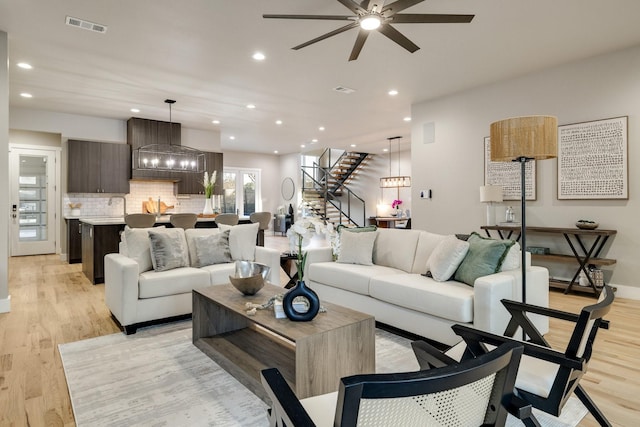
<point x="591" y="89"/>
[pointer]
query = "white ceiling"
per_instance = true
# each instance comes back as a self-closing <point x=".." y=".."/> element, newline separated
<point x="198" y="52"/>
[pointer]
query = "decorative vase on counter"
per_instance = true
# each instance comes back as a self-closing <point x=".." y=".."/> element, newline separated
<point x="208" y="208"/>
<point x="301" y="290"/>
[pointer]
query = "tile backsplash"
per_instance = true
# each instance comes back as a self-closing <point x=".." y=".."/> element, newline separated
<point x="140" y="191"/>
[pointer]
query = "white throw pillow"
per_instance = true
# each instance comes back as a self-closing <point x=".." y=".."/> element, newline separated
<point x="168" y="249"/>
<point x="136" y="246"/>
<point x="356" y="248"/>
<point x="512" y="260"/>
<point x="242" y="240"/>
<point x="192" y="234"/>
<point x="446" y="258"/>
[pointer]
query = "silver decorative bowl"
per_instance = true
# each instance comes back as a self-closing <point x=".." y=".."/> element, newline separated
<point x="249" y="277"/>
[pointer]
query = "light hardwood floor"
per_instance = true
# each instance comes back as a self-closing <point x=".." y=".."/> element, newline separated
<point x="53" y="303"/>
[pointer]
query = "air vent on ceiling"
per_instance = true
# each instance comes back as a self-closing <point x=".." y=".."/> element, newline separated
<point x="86" y="25"/>
<point x="343" y="89"/>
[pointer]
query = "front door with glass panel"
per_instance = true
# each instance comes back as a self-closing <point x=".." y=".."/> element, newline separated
<point x="32" y="208"/>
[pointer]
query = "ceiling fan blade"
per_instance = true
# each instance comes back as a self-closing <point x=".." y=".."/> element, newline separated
<point x="397" y="37"/>
<point x="357" y="46"/>
<point x="399" y="6"/>
<point x="353" y="7"/>
<point x="326" y="17"/>
<point x="326" y="36"/>
<point x="428" y="18"/>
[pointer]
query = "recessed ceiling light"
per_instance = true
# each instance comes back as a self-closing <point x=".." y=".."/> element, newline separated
<point x="302" y="145"/>
<point x="314" y="140"/>
<point x="251" y="106"/>
<point x="353" y="145"/>
<point x="26" y="95"/>
<point x="321" y="128"/>
<point x="278" y="122"/>
<point x="215" y="122"/>
<point x="385" y="149"/>
<point x="232" y="137"/>
<point x="407" y="119"/>
<point x="393" y="92"/>
<point x="135" y="110"/>
<point x="24" y="65"/>
<point x="275" y="151"/>
<point x="258" y="56"/>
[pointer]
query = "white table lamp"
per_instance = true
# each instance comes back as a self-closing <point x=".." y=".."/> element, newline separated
<point x="490" y="194"/>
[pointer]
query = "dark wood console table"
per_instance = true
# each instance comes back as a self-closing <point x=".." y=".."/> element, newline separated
<point x="587" y="256"/>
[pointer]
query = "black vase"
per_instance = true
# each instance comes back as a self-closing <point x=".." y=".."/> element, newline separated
<point x="301" y="290"/>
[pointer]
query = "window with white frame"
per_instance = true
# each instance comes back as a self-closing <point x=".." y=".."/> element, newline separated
<point x="241" y="191"/>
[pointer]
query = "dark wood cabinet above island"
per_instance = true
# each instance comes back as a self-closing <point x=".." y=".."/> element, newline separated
<point x="142" y="132"/>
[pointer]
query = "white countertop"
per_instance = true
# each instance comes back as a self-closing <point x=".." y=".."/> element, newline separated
<point x="108" y="220"/>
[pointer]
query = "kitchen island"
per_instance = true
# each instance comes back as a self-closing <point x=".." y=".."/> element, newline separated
<point x="101" y="236"/>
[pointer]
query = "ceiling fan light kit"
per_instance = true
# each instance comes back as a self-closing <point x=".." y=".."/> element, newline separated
<point x="369" y="16"/>
<point x="370" y="22"/>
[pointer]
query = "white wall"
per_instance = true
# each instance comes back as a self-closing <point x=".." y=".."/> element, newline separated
<point x="270" y="174"/>
<point x="290" y="167"/>
<point x="4" y="180"/>
<point x="453" y="166"/>
<point x="70" y="126"/>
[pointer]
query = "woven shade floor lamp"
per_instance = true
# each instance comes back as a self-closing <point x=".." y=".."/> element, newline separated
<point x="522" y="139"/>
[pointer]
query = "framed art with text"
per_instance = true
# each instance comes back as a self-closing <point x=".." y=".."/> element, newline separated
<point x="592" y="160"/>
<point x="507" y="174"/>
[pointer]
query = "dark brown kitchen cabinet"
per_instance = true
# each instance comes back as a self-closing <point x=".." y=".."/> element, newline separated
<point x="191" y="183"/>
<point x="98" y="241"/>
<point x="141" y="132"/>
<point x="74" y="241"/>
<point x="98" y="167"/>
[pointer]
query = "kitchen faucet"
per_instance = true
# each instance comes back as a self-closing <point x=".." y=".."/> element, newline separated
<point x="124" y="202"/>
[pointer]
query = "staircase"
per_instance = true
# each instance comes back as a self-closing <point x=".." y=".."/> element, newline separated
<point x="325" y="191"/>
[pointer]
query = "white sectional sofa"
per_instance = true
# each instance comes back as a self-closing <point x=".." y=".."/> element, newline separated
<point x="396" y="291"/>
<point x="153" y="275"/>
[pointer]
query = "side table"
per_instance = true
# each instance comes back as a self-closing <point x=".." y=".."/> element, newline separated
<point x="582" y="253"/>
<point x="287" y="263"/>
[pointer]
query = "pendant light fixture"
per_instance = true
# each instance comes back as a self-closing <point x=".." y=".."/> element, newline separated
<point x="169" y="157"/>
<point x="396" y="181"/>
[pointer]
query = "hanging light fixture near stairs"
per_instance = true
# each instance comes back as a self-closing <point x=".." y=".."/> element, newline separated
<point x="398" y="180"/>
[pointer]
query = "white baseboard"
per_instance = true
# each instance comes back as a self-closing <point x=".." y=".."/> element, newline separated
<point x="5" y="305"/>
<point x="628" y="292"/>
<point x="63" y="257"/>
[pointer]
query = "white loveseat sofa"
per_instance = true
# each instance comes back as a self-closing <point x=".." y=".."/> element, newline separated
<point x="396" y="291"/>
<point x="143" y="286"/>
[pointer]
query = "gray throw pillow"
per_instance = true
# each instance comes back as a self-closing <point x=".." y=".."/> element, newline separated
<point x="212" y="249"/>
<point x="168" y="249"/>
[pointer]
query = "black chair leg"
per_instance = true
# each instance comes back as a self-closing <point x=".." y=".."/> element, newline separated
<point x="591" y="406"/>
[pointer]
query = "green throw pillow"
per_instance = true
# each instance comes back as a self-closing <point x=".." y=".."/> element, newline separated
<point x="485" y="256"/>
<point x="356" y="229"/>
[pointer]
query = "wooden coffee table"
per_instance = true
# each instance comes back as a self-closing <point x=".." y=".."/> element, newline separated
<point x="312" y="356"/>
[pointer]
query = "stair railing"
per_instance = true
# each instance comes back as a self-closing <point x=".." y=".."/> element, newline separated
<point x="347" y="203"/>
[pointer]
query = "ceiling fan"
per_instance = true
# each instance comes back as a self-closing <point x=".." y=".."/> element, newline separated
<point x="375" y="15"/>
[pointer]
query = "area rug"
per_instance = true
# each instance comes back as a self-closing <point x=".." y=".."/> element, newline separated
<point x="156" y="377"/>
